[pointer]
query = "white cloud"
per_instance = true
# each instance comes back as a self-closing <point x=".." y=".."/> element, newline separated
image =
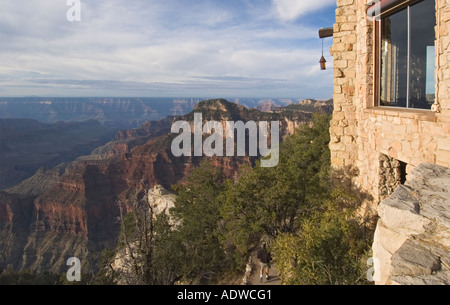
<point x="292" y="9"/>
<point x="204" y="46"/>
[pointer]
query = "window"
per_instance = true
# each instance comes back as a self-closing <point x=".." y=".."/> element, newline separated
<point x="407" y="56"/>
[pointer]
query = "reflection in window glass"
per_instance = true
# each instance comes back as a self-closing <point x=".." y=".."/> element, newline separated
<point x="430" y="89"/>
<point x="422" y="22"/>
<point x="407" y="55"/>
<point x="394" y="54"/>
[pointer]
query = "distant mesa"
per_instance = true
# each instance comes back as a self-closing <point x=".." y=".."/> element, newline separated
<point x="129" y="112"/>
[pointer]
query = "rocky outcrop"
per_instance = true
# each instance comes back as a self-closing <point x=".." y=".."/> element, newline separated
<point x="412" y="239"/>
<point x="160" y="200"/>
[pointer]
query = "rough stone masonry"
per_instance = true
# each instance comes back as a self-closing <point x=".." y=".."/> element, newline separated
<point x="412" y="239"/>
<point x="362" y="133"/>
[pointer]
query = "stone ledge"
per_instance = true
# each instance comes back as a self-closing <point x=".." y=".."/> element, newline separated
<point x="441" y="279"/>
<point x="412" y="238"/>
<point x="418" y="114"/>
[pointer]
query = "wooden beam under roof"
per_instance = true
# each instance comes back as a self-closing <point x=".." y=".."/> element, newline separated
<point x="327" y="32"/>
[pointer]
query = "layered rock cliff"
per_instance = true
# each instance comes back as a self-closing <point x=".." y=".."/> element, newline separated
<point x="73" y="210"/>
<point x="412" y="239"/>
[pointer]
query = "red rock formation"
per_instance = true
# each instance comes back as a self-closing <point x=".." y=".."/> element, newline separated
<point x="78" y="213"/>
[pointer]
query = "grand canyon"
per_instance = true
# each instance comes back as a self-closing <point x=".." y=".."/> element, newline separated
<point x="70" y="209"/>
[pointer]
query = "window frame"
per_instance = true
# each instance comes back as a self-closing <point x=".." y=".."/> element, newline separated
<point x="377" y="58"/>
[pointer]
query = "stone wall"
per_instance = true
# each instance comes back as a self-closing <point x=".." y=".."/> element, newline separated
<point x="390" y="176"/>
<point x="361" y="133"/>
<point x="353" y="80"/>
<point x="413" y="233"/>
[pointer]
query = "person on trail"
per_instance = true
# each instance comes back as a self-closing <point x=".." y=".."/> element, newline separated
<point x="264" y="259"/>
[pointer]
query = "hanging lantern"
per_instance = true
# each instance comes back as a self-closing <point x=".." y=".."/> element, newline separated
<point x="322" y="63"/>
<point x="323" y="33"/>
<point x="322" y="60"/>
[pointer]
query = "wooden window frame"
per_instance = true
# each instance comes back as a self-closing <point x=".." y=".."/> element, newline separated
<point x="377" y="60"/>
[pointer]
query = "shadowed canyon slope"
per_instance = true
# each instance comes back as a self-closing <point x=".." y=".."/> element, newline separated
<point x="72" y="209"/>
<point x="26" y="145"/>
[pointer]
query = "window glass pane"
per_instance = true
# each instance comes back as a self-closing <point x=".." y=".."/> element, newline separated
<point x="422" y="63"/>
<point x="394" y="64"/>
<point x="430" y="89"/>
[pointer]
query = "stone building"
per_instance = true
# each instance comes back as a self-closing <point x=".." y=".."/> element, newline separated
<point x="391" y="126"/>
<point x="391" y="89"/>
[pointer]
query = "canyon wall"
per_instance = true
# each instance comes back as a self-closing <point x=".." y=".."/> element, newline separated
<point x="73" y="209"/>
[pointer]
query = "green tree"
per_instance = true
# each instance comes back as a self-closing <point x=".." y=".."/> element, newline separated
<point x="106" y="273"/>
<point x="137" y="244"/>
<point x="329" y="246"/>
<point x="28" y="277"/>
<point x="169" y="255"/>
<point x="197" y="218"/>
<point x="149" y="250"/>
<point x="271" y="201"/>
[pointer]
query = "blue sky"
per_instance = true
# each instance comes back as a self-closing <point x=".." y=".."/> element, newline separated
<point x="166" y="48"/>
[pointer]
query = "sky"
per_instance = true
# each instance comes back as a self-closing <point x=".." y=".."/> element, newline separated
<point x="166" y="48"/>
